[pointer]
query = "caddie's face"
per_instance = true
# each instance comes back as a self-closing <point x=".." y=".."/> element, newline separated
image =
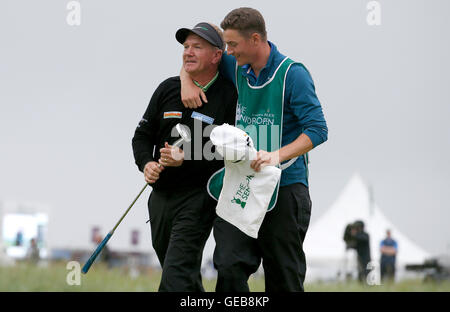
<point x="198" y="54"/>
<point x="239" y="46"/>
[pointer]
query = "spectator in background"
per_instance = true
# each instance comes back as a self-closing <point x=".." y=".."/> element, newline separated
<point x="388" y="249"/>
<point x="33" y="251"/>
<point x="19" y="238"/>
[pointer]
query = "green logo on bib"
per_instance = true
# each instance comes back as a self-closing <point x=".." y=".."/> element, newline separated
<point x="241" y="196"/>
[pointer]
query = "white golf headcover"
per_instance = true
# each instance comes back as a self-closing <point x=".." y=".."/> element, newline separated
<point x="245" y="194"/>
<point x="232" y="143"/>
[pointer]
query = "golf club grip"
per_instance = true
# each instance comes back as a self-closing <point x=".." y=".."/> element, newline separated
<point x="91" y="260"/>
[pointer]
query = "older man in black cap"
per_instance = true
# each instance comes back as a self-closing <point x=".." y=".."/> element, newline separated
<point x="181" y="211"/>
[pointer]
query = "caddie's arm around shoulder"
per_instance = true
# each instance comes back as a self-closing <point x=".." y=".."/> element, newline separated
<point x="191" y="95"/>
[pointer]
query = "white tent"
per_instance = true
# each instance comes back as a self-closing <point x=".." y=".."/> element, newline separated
<point x="324" y="247"/>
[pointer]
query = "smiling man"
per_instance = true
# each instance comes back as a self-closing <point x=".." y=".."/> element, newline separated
<point x="181" y="211"/>
<point x="277" y="98"/>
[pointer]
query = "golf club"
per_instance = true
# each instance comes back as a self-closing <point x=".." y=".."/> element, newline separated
<point x="185" y="137"/>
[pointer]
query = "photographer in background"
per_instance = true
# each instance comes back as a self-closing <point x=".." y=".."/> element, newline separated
<point x="362" y="246"/>
<point x="350" y="242"/>
<point x="356" y="238"/>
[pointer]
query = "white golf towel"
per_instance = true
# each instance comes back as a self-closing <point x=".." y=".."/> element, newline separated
<point x="245" y="194"/>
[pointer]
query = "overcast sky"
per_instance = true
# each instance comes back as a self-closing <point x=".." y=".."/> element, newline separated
<point x="71" y="97"/>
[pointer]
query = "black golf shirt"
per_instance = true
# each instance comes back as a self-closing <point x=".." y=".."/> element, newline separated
<point x="164" y="111"/>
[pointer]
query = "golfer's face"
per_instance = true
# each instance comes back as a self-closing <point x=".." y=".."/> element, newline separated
<point x="238" y="46"/>
<point x="198" y="54"/>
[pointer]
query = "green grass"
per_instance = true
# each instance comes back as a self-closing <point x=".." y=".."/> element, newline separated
<point x="27" y="277"/>
<point x="402" y="286"/>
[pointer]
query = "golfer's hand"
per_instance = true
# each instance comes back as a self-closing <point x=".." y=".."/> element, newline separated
<point x="264" y="158"/>
<point x="171" y="156"/>
<point x="151" y="171"/>
<point x="191" y="95"/>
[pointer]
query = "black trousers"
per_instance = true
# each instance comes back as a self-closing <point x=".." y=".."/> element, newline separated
<point x="279" y="245"/>
<point x="181" y="222"/>
<point x="387" y="268"/>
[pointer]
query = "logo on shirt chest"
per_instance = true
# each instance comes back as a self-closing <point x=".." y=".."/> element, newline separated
<point x="172" y="115"/>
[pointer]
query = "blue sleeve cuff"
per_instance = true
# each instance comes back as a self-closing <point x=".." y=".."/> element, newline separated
<point x="317" y="137"/>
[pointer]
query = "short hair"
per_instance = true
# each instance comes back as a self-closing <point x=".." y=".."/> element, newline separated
<point x="247" y="21"/>
<point x="220" y="33"/>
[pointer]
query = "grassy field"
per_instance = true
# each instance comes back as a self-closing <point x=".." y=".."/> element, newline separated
<point x="27" y="277"/>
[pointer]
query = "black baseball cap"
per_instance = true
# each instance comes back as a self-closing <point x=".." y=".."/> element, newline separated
<point x="204" y="30"/>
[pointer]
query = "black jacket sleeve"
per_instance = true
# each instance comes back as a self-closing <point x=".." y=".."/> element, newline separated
<point x="230" y="117"/>
<point x="146" y="133"/>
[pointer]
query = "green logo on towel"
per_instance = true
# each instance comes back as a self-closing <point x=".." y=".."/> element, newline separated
<point x="239" y="202"/>
<point x="243" y="192"/>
